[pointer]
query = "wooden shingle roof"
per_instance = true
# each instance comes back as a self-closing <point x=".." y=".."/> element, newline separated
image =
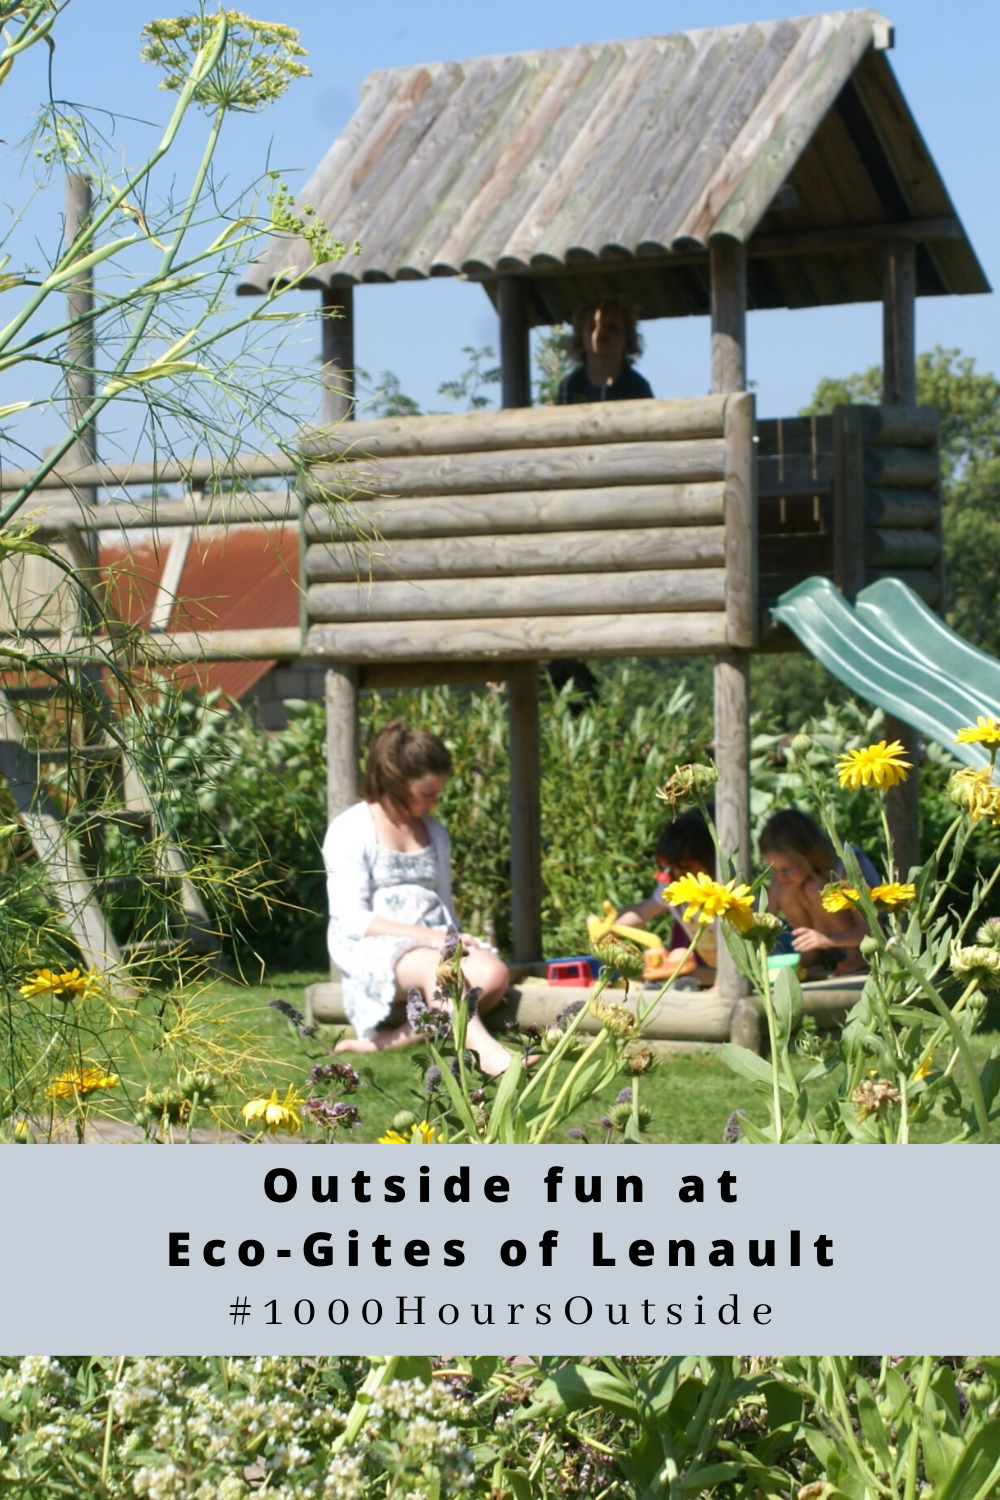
<point x="607" y="169"/>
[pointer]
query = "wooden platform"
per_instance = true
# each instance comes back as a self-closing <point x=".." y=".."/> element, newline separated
<point x="681" y="1016"/>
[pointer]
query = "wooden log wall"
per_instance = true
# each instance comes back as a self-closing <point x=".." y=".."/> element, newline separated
<point x="887" y="514"/>
<point x="795" y="502"/>
<point x="615" y="529"/>
<point x="853" y="497"/>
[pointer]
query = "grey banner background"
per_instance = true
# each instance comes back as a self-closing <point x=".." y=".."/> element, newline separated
<point x="85" y="1253"/>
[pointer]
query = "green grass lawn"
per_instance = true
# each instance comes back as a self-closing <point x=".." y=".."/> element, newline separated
<point x="690" y="1094"/>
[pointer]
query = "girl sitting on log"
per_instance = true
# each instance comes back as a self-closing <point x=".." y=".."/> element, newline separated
<point x="684" y="847"/>
<point x="388" y="865"/>
<point x="803" y="861"/>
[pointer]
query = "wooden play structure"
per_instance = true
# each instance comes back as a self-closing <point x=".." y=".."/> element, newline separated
<point x="711" y="173"/>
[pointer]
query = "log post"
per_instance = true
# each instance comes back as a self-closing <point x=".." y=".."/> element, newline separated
<point x="728" y="269"/>
<point x="522" y="684"/>
<point x="338" y="353"/>
<point x="80" y="347"/>
<point x="899" y="324"/>
<point x="342" y="736"/>
<point x="515" y="342"/>
<point x="727" y="260"/>
<point x="899" y="388"/>
<point x="525" y="815"/>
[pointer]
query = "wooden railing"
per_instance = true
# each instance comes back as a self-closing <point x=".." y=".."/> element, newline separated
<point x="604" y="530"/>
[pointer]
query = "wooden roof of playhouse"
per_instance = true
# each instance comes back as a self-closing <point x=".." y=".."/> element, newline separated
<point x="606" y="169"/>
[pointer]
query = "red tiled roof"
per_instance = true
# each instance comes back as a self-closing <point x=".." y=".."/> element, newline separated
<point x="233" y="579"/>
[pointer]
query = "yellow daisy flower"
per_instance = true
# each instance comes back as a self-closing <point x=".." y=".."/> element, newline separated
<point x="79" y="1081"/>
<point x="839" y="896"/>
<point x="707" y="899"/>
<point x="880" y="765"/>
<point x="276" y="1115"/>
<point x="62" y="985"/>
<point x="893" y="893"/>
<point x="983" y="732"/>
<point x="420" y="1135"/>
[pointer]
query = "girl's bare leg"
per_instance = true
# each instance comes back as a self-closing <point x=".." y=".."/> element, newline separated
<point x="417" y="970"/>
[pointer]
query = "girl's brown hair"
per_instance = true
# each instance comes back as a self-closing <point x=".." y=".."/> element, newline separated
<point x="633" y="338"/>
<point x="794" y="832"/>
<point x="398" y="756"/>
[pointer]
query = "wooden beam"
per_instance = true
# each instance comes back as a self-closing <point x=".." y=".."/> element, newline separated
<point x="157" y="515"/>
<point x="80" y="347"/>
<point x="899" y="301"/>
<point x="591" y="465"/>
<point x="938" y="230"/>
<point x="515" y="341"/>
<point x="525" y="815"/>
<point x="199" y="473"/>
<point x="731" y="673"/>
<point x="728" y="269"/>
<point x="551" y="552"/>
<point x="856" y="237"/>
<point x="679" y="418"/>
<point x="522" y="510"/>
<point x="342" y="739"/>
<point x="526" y="638"/>
<point x="741" y="522"/>
<point x="902" y="801"/>
<point x="537" y="594"/>
<point x="338" y="353"/>
<point x="849" y="499"/>
<point x="732" y="793"/>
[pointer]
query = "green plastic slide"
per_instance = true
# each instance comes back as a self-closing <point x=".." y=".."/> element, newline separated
<point x="895" y="652"/>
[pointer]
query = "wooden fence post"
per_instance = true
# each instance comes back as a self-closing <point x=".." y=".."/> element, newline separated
<point x="338" y="353"/>
<point x="342" y="750"/>
<point x="899" y="388"/>
<point x="732" y="693"/>
<point x="515" y="342"/>
<point x="525" y="815"/>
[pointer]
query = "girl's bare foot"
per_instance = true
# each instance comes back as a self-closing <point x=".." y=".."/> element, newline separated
<point x="382" y="1041"/>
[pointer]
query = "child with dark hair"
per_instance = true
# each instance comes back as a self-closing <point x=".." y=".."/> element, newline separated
<point x="605" y="341"/>
<point x="803" y="861"/>
<point x="684" y="847"/>
<point x="388" y="865"/>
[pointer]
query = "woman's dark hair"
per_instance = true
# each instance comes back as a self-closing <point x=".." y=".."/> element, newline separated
<point x="687" y="839"/>
<point x="633" y="338"/>
<point x="398" y="756"/>
<point x="794" y="832"/>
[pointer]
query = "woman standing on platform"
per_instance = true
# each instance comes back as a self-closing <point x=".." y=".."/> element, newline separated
<point x="388" y="865"/>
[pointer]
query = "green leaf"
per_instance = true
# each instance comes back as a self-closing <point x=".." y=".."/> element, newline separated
<point x="414" y="1367"/>
<point x="579" y="1387"/>
<point x="871" y="1424"/>
<point x="748" y="1065"/>
<point x="786" y="994"/>
<point x="978" y="1470"/>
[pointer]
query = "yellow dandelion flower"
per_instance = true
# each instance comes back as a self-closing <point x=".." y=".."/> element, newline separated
<point x="977" y="793"/>
<point x="893" y="893"/>
<point x="924" y="1070"/>
<point x="63" y="984"/>
<point x="983" y="732"/>
<point x="275" y="1114"/>
<point x="839" y="896"/>
<point x="80" y="1081"/>
<point x="707" y="899"/>
<point x="880" y="765"/>
<point x="420" y="1135"/>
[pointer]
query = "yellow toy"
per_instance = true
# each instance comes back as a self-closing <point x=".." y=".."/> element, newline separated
<point x="658" y="965"/>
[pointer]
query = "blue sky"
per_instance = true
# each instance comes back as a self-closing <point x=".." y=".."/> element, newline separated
<point x="945" y="58"/>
